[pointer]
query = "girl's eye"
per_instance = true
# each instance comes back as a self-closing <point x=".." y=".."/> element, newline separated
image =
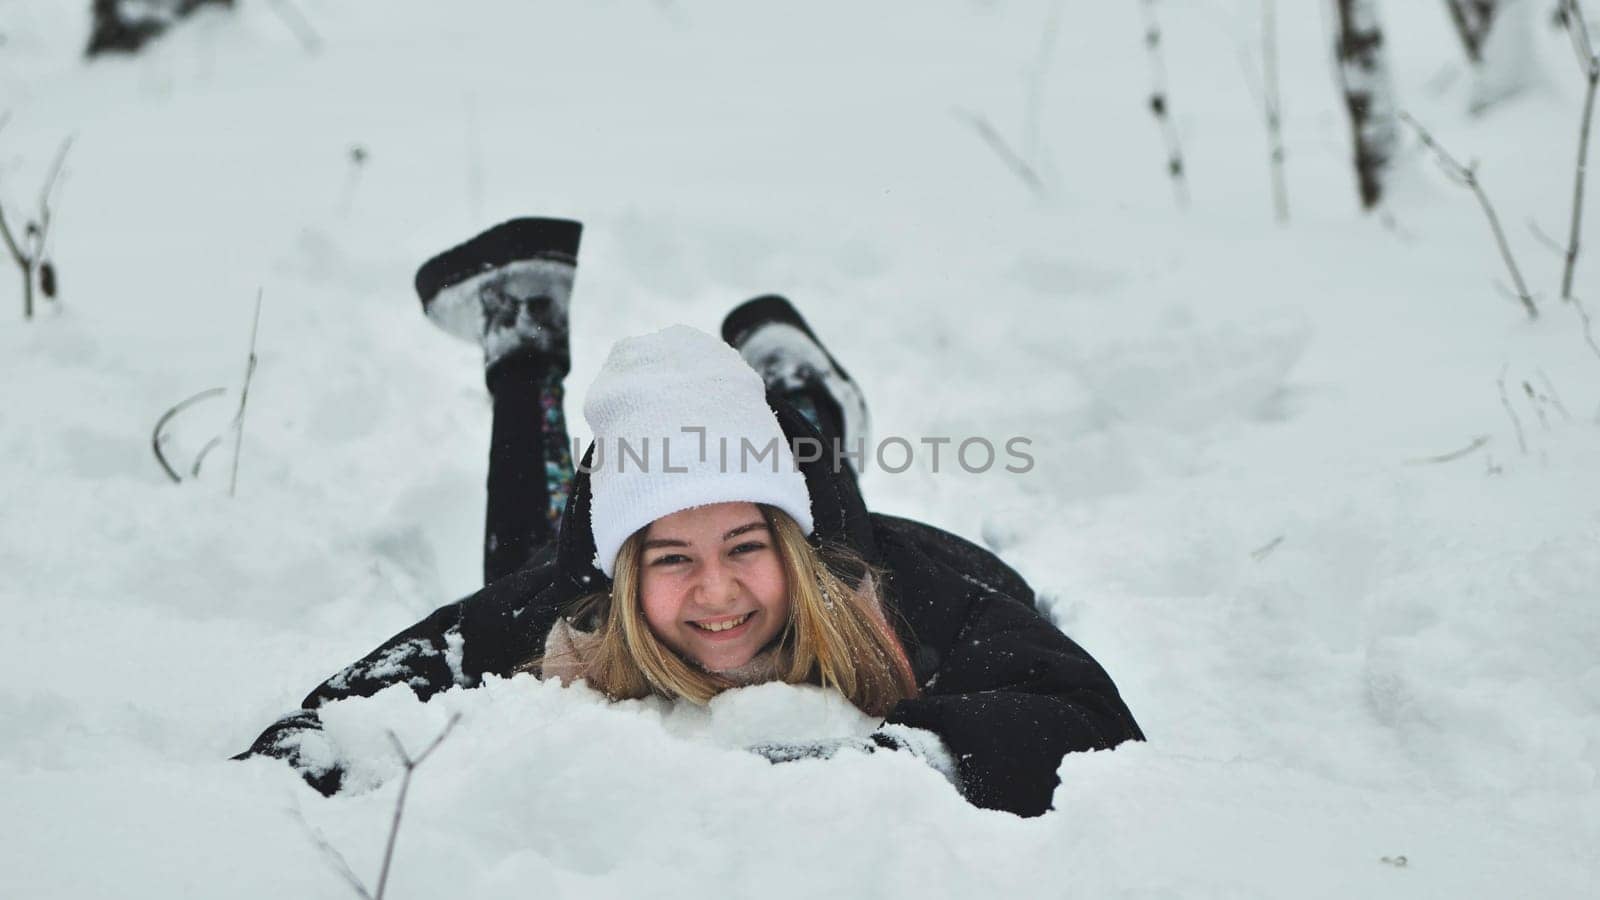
<point x="669" y="559"/>
<point x="749" y="547"/>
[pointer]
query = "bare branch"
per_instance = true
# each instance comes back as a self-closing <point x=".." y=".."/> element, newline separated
<point x="34" y="235"/>
<point x="1018" y="166"/>
<point x="1478" y="442"/>
<point x="200" y="458"/>
<point x="400" y="801"/>
<point x="428" y="751"/>
<point x="1468" y="176"/>
<point x="1579" y="29"/>
<point x="161" y="423"/>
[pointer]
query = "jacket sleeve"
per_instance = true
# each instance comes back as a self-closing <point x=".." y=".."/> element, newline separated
<point x="427" y="656"/>
<point x="491" y="632"/>
<point x="1008" y="693"/>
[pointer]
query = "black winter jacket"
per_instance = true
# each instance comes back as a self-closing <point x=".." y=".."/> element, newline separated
<point x="1008" y="692"/>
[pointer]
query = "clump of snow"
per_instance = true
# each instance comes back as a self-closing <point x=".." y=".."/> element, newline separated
<point x="1278" y="492"/>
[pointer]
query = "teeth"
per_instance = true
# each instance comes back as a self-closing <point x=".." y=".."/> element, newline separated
<point x="724" y="626"/>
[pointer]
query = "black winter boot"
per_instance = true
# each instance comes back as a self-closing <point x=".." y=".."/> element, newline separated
<point x="775" y="340"/>
<point x="507" y="289"/>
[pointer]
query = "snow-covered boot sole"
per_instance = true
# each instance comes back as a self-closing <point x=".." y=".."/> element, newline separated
<point x="775" y="340"/>
<point x="508" y="289"/>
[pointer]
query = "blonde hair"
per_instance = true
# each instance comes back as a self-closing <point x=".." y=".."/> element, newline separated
<point x="837" y="634"/>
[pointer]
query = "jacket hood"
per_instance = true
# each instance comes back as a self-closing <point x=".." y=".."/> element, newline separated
<point x="838" y="513"/>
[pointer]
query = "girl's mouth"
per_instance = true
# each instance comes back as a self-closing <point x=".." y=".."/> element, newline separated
<point x="724" y="628"/>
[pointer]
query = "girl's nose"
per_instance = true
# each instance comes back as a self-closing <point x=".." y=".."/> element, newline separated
<point x="716" y="586"/>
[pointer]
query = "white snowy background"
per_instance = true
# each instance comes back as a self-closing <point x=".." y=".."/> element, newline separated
<point x="1341" y="656"/>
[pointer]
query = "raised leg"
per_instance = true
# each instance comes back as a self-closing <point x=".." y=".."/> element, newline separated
<point x="509" y="289"/>
<point x="775" y="340"/>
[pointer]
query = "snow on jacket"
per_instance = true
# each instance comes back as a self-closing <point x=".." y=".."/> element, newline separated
<point x="1008" y="693"/>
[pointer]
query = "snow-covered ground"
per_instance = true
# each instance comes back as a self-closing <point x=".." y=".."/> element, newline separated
<point x="1361" y="674"/>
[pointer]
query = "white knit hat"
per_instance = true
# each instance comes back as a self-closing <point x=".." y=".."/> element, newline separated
<point x="647" y="409"/>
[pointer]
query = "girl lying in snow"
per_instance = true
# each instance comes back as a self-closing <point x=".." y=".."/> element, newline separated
<point x="712" y="537"/>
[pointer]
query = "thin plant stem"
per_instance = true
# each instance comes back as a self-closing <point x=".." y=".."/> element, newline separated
<point x="1273" y="102"/>
<point x="244" y="397"/>
<point x="1590" y="61"/>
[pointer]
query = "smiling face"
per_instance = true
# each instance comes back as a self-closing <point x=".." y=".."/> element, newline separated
<point x="711" y="584"/>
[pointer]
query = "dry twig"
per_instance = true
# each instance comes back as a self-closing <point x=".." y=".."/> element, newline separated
<point x="332" y="853"/>
<point x="1008" y="157"/>
<point x="1589" y="60"/>
<point x="1478" y="442"/>
<point x="400" y="801"/>
<point x="29" y="254"/>
<point x="156" y="435"/>
<point x="1468" y="176"/>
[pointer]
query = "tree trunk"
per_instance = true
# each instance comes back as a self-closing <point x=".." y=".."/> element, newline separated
<point x="124" y="26"/>
<point x="1368" y="96"/>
